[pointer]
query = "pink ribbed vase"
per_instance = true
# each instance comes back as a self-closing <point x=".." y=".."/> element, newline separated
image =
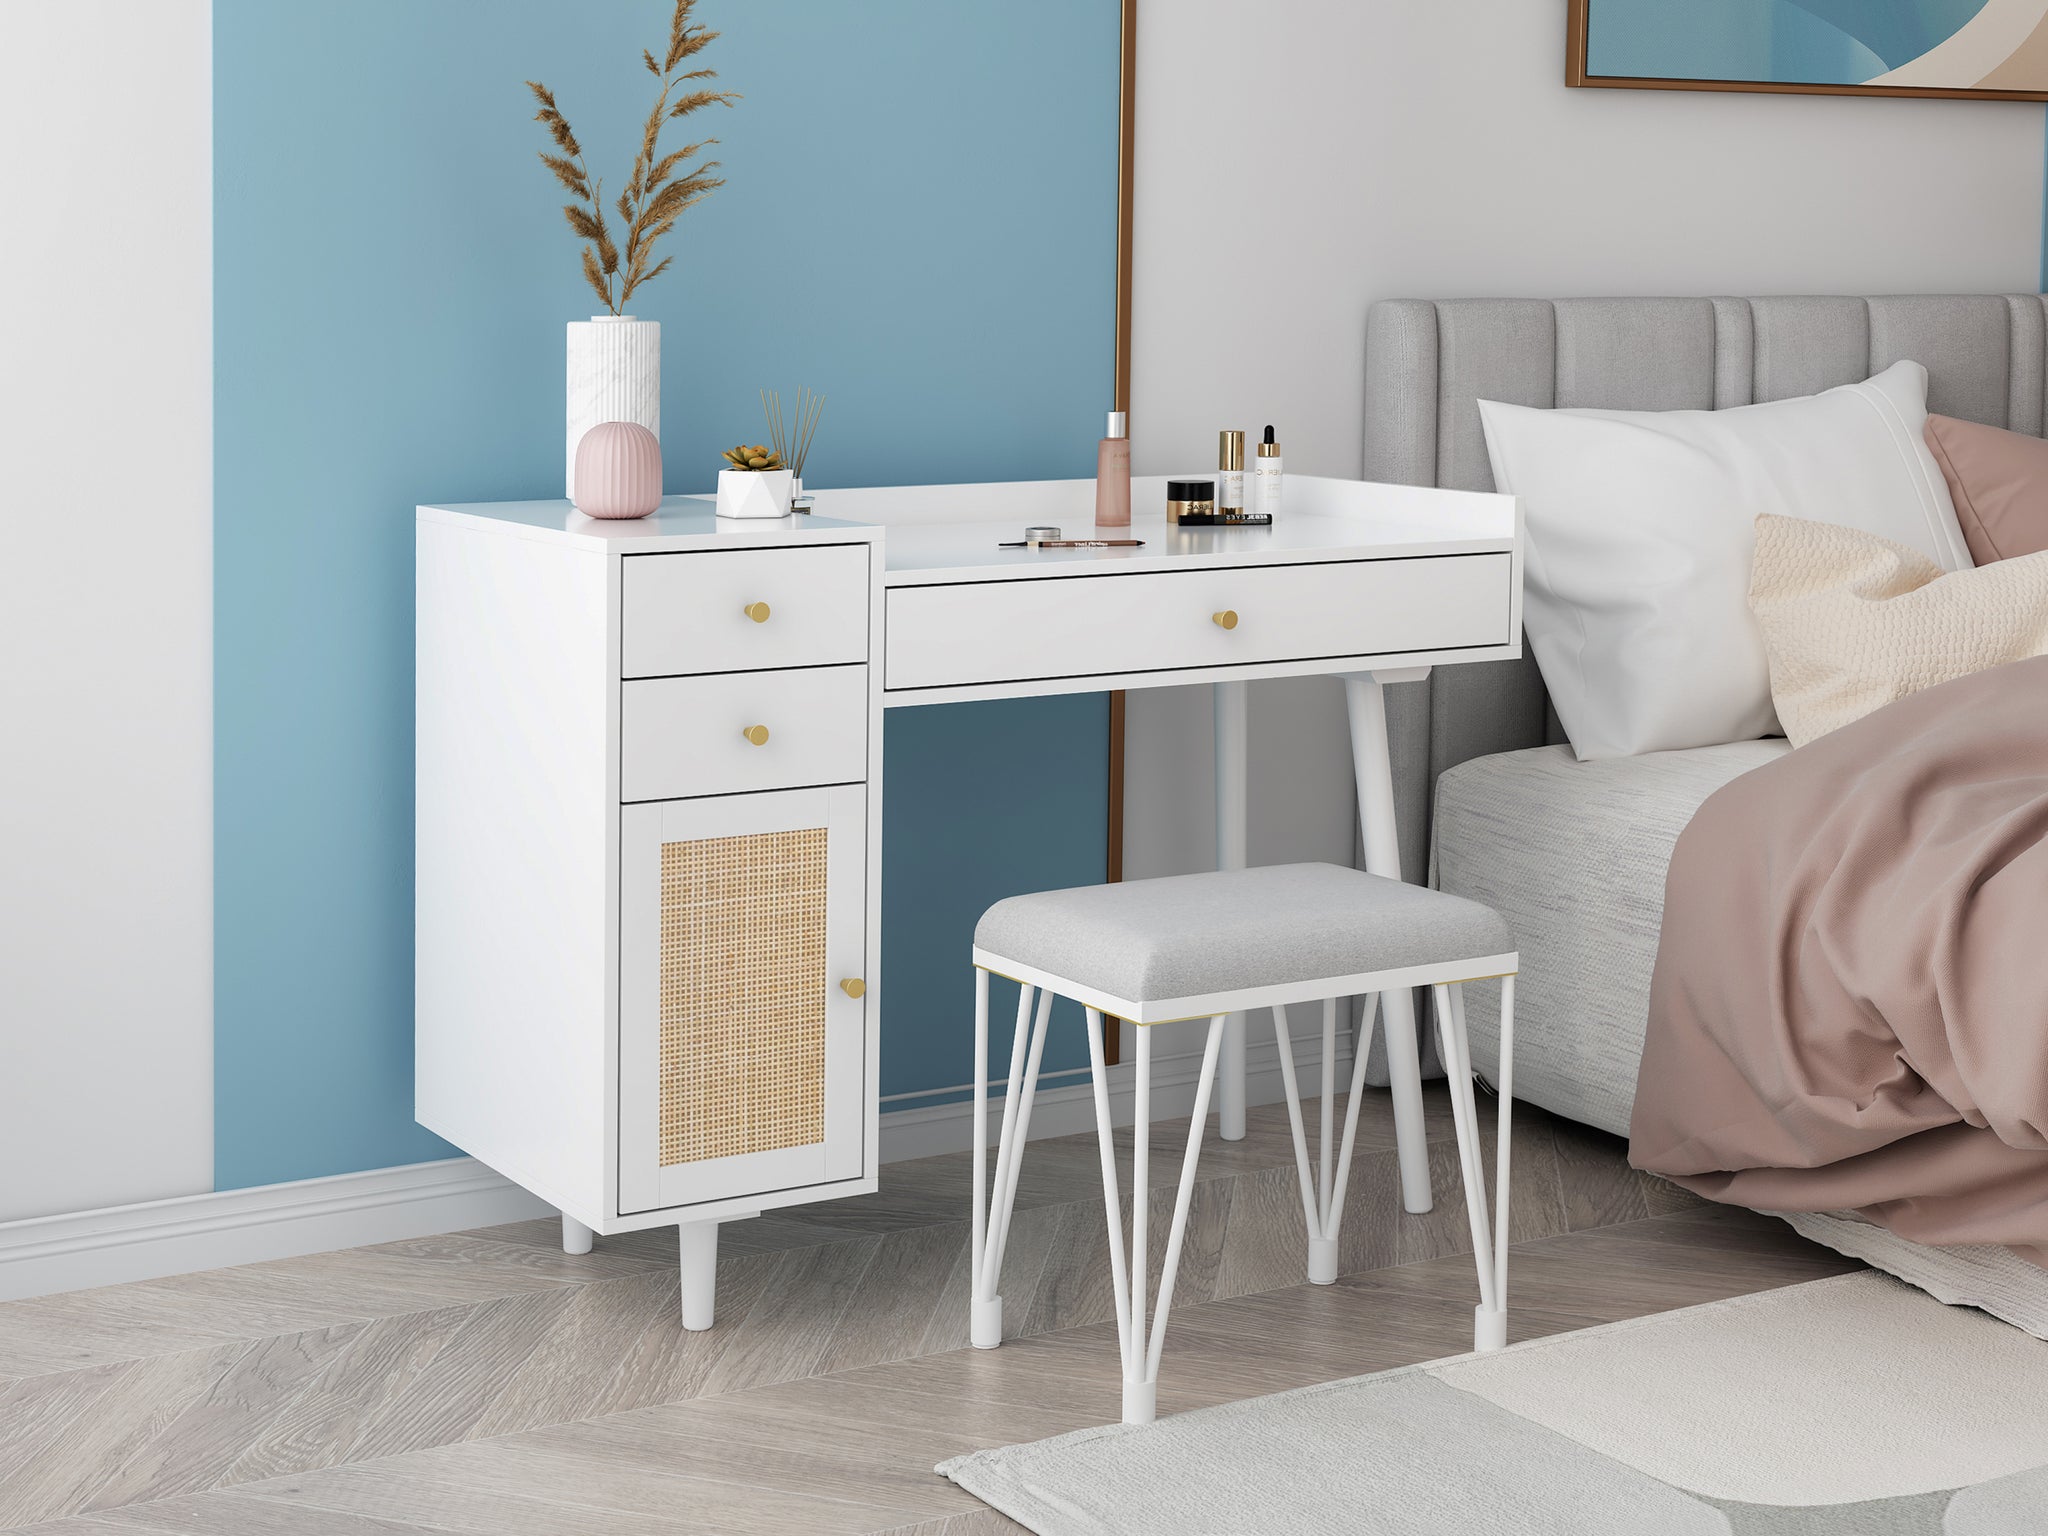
<point x="618" y="470"/>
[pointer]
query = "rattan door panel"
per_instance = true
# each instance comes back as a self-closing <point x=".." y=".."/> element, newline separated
<point x="741" y="1055"/>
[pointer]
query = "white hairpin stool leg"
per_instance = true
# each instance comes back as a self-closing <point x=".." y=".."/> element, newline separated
<point x="1489" y="1324"/>
<point x="1105" y="1141"/>
<point x="1505" y="1072"/>
<point x="1139" y="1347"/>
<point x="576" y="1237"/>
<point x="697" y="1260"/>
<point x="991" y="1230"/>
<point x="977" y="1241"/>
<point x="1322" y="1204"/>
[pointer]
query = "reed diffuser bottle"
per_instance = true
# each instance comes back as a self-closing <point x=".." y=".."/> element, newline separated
<point x="1113" y="474"/>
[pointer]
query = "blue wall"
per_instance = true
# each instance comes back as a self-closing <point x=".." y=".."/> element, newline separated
<point x="920" y="222"/>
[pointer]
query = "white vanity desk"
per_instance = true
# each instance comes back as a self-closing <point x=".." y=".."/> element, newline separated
<point x="649" y="812"/>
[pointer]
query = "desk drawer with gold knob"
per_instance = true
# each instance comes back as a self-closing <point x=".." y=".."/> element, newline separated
<point x="743" y="609"/>
<point x="740" y="731"/>
<point x="984" y="633"/>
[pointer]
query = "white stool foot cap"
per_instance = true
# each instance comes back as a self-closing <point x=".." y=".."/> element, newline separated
<point x="1322" y="1261"/>
<point x="1489" y="1329"/>
<point x="985" y="1323"/>
<point x="1141" y="1401"/>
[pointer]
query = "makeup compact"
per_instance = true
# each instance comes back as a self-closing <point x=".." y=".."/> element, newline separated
<point x="1189" y="500"/>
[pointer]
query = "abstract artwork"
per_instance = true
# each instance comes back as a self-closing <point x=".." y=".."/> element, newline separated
<point x="1990" y="49"/>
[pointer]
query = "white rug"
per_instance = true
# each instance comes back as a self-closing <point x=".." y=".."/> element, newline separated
<point x="1855" y="1406"/>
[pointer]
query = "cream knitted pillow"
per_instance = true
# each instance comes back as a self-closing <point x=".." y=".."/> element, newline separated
<point x="1852" y="621"/>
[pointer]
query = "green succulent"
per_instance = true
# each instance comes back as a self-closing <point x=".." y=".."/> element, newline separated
<point x="755" y="457"/>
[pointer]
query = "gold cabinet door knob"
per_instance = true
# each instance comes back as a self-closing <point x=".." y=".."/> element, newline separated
<point x="757" y="734"/>
<point x="758" y="612"/>
<point x="1227" y="619"/>
<point x="853" y="986"/>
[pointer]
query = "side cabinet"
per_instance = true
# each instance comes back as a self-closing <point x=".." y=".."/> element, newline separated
<point x="647" y="894"/>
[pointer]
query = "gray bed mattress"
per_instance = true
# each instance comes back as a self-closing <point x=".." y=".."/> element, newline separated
<point x="1573" y="855"/>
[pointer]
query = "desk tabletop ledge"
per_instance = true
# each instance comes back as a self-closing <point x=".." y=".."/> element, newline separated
<point x="936" y="533"/>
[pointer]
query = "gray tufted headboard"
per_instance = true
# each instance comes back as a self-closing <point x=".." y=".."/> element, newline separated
<point x="1428" y="361"/>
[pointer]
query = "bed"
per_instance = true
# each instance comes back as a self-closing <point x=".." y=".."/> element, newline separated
<point x="1574" y="853"/>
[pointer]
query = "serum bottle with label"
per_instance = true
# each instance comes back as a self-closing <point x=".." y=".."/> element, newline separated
<point x="1229" y="474"/>
<point x="1266" y="478"/>
<point x="1113" y="474"/>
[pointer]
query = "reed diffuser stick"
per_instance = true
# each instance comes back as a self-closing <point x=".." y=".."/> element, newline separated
<point x="808" y="405"/>
<point x="791" y="436"/>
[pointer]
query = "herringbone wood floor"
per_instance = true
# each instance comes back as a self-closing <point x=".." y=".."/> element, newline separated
<point x="486" y="1382"/>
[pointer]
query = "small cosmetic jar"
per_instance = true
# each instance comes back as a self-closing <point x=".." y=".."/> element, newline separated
<point x="1190" y="499"/>
<point x="1040" y="534"/>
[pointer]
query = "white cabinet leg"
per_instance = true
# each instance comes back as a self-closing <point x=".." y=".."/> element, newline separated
<point x="576" y="1237"/>
<point x="1372" y="764"/>
<point x="697" y="1244"/>
<point x="1233" y="792"/>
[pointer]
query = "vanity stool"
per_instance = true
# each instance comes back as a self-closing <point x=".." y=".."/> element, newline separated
<point x="1205" y="946"/>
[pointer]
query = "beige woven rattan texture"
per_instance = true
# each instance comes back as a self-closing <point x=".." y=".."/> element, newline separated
<point x="742" y="994"/>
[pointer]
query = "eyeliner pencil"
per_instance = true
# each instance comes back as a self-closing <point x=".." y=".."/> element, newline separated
<point x="1074" y="544"/>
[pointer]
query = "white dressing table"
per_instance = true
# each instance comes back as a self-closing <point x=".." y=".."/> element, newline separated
<point x="649" y="811"/>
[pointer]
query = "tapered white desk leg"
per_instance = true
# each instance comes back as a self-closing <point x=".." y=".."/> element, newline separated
<point x="576" y="1237"/>
<point x="1372" y="765"/>
<point x="1233" y="796"/>
<point x="697" y="1246"/>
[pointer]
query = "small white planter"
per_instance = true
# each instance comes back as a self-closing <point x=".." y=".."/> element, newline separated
<point x="614" y="375"/>
<point x="753" y="492"/>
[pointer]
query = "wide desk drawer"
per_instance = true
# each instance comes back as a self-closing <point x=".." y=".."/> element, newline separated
<point x="738" y="610"/>
<point x="721" y="735"/>
<point x="1084" y="626"/>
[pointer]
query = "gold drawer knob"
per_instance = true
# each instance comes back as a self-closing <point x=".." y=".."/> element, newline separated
<point x="757" y="734"/>
<point x="758" y="612"/>
<point x="1227" y="619"/>
<point x="853" y="986"/>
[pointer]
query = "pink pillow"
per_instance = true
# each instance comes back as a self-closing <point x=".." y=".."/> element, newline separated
<point x="1999" y="483"/>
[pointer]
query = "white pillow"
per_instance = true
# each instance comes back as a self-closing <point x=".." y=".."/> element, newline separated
<point x="1640" y="527"/>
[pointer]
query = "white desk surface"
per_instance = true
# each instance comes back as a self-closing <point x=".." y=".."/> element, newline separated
<point x="681" y="523"/>
<point x="952" y="533"/>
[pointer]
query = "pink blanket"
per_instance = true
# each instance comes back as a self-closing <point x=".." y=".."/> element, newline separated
<point x="1850" y="1007"/>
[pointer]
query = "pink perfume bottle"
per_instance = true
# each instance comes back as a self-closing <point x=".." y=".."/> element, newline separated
<point x="1113" y="475"/>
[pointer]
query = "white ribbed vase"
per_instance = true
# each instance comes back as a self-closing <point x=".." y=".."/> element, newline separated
<point x="614" y="375"/>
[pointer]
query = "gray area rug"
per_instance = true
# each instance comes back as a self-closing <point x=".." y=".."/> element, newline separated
<point x="1854" y="1406"/>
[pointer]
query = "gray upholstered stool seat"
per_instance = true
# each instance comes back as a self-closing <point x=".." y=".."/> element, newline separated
<point x="1184" y="938"/>
<point x="1162" y="953"/>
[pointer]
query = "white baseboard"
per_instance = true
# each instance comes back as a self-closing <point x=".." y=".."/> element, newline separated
<point x="280" y="1221"/>
<point x="243" y="1226"/>
<point x="1069" y="1108"/>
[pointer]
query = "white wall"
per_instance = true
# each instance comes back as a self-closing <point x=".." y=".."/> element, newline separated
<point x="1301" y="158"/>
<point x="106" y="422"/>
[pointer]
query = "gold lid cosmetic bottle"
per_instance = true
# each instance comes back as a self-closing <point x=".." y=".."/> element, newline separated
<point x="1229" y="473"/>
